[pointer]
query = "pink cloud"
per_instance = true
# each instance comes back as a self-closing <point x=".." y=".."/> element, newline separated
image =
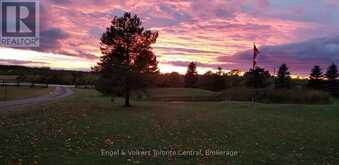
<point x="263" y="4"/>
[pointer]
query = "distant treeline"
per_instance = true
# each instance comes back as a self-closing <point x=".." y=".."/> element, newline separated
<point x="257" y="78"/>
<point x="46" y="75"/>
<point x="214" y="81"/>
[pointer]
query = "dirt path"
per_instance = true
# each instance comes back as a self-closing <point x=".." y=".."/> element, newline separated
<point x="59" y="92"/>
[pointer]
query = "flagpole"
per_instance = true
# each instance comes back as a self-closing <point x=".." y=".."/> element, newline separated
<point x="253" y="62"/>
<point x="274" y="74"/>
<point x="253" y="56"/>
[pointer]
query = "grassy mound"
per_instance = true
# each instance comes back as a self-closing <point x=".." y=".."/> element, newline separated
<point x="298" y="96"/>
<point x="295" y="96"/>
<point x="180" y="94"/>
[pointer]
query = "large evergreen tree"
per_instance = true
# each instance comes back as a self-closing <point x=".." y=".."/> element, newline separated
<point x="332" y="83"/>
<point x="332" y="72"/>
<point x="127" y="55"/>
<point x="191" y="76"/>
<point x="316" y="76"/>
<point x="283" y="78"/>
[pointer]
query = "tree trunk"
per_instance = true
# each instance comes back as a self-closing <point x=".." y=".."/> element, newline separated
<point x="127" y="103"/>
<point x="127" y="92"/>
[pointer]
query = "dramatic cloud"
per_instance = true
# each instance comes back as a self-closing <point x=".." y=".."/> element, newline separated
<point x="211" y="32"/>
<point x="301" y="57"/>
<point x="50" y="39"/>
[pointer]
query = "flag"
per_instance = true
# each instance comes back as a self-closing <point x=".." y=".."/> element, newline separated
<point x="256" y="52"/>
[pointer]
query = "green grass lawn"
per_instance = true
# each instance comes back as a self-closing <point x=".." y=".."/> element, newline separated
<point x="179" y="92"/>
<point x="14" y="92"/>
<point x="76" y="129"/>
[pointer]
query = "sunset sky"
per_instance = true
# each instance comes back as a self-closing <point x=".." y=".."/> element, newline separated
<point x="212" y="33"/>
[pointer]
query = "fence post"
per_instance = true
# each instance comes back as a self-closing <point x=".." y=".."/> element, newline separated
<point x="3" y="97"/>
<point x="5" y="90"/>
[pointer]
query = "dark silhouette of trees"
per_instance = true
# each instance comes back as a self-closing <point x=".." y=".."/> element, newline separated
<point x="234" y="78"/>
<point x="234" y="72"/>
<point x="332" y="83"/>
<point x="206" y="81"/>
<point x="316" y="76"/>
<point x="174" y="79"/>
<point x="257" y="78"/>
<point x="128" y="57"/>
<point x="191" y="76"/>
<point x="44" y="75"/>
<point x="219" y="80"/>
<point x="283" y="79"/>
<point x="170" y="80"/>
<point x="332" y="72"/>
<point x="75" y="79"/>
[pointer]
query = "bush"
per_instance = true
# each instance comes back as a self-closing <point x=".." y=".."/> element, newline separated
<point x="298" y="96"/>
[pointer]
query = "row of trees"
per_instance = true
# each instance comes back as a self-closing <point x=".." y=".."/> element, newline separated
<point x="260" y="78"/>
<point x="45" y="75"/>
<point x="317" y="79"/>
<point x="328" y="80"/>
<point x="212" y="81"/>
